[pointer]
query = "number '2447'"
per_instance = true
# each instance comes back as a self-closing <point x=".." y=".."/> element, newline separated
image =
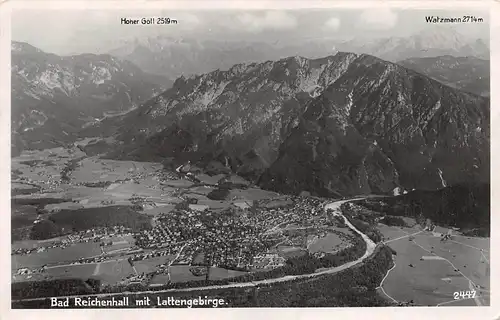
<point x="457" y="295"/>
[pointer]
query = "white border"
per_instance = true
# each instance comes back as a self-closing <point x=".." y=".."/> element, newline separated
<point x="492" y="312"/>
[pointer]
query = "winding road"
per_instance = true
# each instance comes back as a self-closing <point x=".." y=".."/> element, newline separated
<point x="334" y="206"/>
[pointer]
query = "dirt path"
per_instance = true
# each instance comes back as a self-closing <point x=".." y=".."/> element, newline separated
<point x="382" y="283"/>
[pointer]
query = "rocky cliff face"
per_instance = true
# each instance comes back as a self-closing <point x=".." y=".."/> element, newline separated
<point x="53" y="96"/>
<point x="242" y="114"/>
<point x="380" y="127"/>
<point x="345" y="124"/>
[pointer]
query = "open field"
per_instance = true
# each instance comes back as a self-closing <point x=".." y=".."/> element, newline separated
<point x="390" y="233"/>
<point x="75" y="271"/>
<point x="127" y="189"/>
<point x="94" y="170"/>
<point x="159" y="279"/>
<point x="423" y="274"/>
<point x="215" y="204"/>
<point x="83" y="271"/>
<point x="288" y="251"/>
<point x="28" y="244"/>
<point x="220" y="273"/>
<point x="180" y="273"/>
<point x="481" y="243"/>
<point x="112" y="272"/>
<point x="329" y="243"/>
<point x="158" y="210"/>
<point x="42" y="166"/>
<point x="423" y="282"/>
<point x="53" y="154"/>
<point x="63" y="206"/>
<point x="109" y="271"/>
<point x="468" y="260"/>
<point x="252" y="194"/>
<point x="56" y="255"/>
<point x="149" y="265"/>
<point x="23" y="188"/>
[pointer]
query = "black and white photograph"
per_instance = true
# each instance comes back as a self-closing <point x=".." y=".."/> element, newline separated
<point x="260" y="157"/>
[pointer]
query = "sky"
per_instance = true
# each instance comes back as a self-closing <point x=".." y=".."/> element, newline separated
<point x="97" y="31"/>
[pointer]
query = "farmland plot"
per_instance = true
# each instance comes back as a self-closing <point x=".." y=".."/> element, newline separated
<point x="426" y="282"/>
<point x="56" y="255"/>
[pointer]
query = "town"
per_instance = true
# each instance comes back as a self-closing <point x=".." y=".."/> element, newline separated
<point x="233" y="239"/>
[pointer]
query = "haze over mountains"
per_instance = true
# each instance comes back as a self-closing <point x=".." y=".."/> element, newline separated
<point x="331" y="123"/>
<point x="428" y="43"/>
<point x="173" y="57"/>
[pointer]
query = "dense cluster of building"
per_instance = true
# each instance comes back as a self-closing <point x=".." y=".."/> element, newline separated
<point x="236" y="238"/>
<point x="268" y="261"/>
<point x="232" y="238"/>
<point x="220" y="233"/>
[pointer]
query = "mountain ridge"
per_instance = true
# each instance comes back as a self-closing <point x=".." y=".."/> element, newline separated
<point x="246" y="116"/>
<point x="54" y="96"/>
<point x="363" y="137"/>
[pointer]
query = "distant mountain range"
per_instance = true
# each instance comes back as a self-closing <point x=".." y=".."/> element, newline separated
<point x="469" y="74"/>
<point x="433" y="42"/>
<point x="172" y="57"/>
<point x="54" y="96"/>
<point x="342" y="125"/>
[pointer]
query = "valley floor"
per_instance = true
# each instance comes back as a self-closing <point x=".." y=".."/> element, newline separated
<point x="430" y="270"/>
<point x="137" y="223"/>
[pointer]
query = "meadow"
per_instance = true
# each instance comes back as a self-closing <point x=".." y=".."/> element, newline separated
<point x="423" y="274"/>
<point x="289" y="251"/>
<point x="111" y="272"/>
<point x="56" y="255"/>
<point x="83" y="271"/>
<point x="252" y="194"/>
<point x="149" y="265"/>
<point x="220" y="273"/>
<point x="422" y="281"/>
<point x="330" y="243"/>
<point x="94" y="170"/>
<point x="160" y="279"/>
<point x="180" y="273"/>
<point x="390" y="233"/>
